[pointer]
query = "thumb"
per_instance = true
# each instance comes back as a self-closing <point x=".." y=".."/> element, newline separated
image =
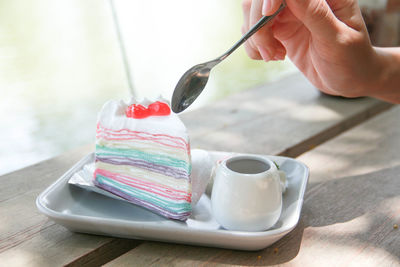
<point x="316" y="16"/>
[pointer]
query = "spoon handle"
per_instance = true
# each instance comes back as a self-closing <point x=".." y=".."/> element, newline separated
<point x="253" y="30"/>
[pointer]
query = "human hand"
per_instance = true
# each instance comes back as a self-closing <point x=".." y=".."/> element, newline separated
<point x="326" y="39"/>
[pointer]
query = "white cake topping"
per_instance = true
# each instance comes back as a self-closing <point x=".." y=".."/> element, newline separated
<point x="112" y="116"/>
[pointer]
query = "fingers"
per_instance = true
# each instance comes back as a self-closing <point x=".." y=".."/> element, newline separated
<point x="264" y="40"/>
<point x="348" y="12"/>
<point x="270" y="7"/>
<point x="280" y="53"/>
<point x="262" y="45"/>
<point x="268" y="47"/>
<point x="317" y="16"/>
<point x="249" y="47"/>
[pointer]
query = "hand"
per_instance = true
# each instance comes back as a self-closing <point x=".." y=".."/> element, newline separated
<point x="326" y="39"/>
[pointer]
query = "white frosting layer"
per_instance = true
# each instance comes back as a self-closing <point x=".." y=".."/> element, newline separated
<point x="112" y="116"/>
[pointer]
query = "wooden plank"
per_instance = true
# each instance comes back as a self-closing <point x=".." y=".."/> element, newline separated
<point x="28" y="238"/>
<point x="351" y="207"/>
<point x="284" y="118"/>
<point x="287" y="117"/>
<point x="353" y="201"/>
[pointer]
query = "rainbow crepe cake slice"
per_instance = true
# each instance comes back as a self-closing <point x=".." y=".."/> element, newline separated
<point x="143" y="155"/>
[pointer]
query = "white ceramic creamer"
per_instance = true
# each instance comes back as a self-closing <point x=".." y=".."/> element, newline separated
<point x="247" y="193"/>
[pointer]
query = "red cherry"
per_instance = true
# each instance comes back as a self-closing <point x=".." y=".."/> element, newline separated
<point x="140" y="112"/>
<point x="137" y="111"/>
<point x="159" y="108"/>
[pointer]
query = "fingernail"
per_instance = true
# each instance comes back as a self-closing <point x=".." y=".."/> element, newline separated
<point x="266" y="7"/>
<point x="264" y="53"/>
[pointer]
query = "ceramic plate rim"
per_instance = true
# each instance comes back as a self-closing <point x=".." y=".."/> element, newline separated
<point x="41" y="205"/>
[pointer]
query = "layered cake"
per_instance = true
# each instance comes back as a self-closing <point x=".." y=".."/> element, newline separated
<point x="143" y="155"/>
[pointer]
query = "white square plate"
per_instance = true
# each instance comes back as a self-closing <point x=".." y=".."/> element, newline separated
<point x="84" y="211"/>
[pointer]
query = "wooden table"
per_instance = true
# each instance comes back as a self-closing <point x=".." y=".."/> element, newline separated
<point x="351" y="206"/>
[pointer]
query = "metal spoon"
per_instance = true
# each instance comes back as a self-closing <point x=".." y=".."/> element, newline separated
<point x="195" y="79"/>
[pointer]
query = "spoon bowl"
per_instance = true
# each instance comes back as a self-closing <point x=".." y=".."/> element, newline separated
<point x="190" y="86"/>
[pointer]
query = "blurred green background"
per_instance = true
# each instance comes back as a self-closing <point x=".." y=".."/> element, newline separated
<point x="61" y="60"/>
